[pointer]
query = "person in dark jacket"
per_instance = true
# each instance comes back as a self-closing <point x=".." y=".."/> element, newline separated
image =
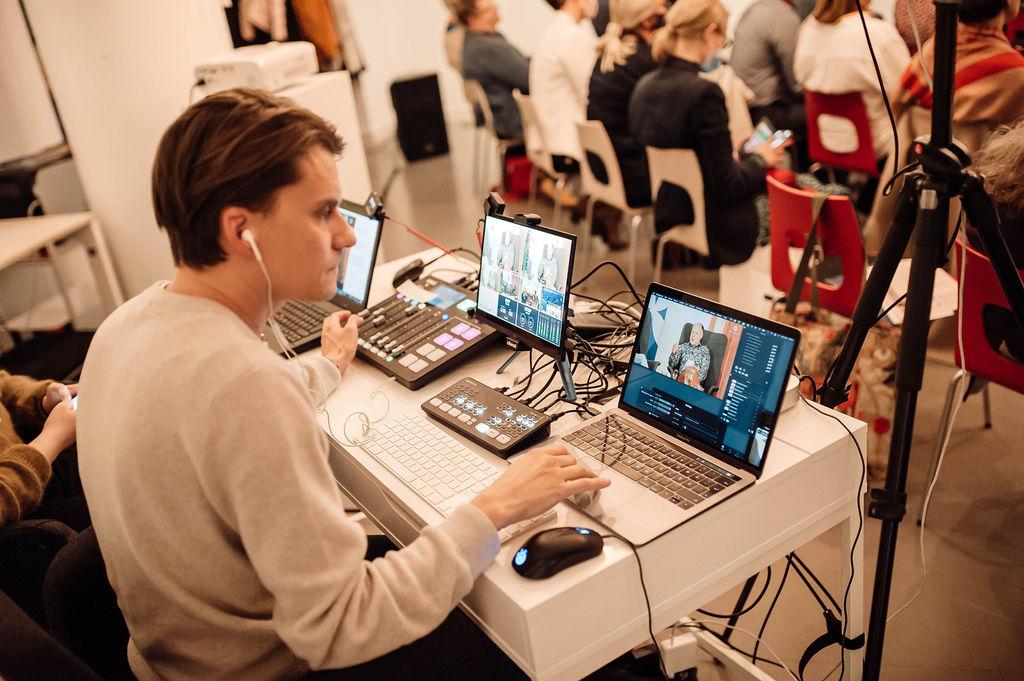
<point x="624" y="56"/>
<point x="494" y="62"/>
<point x="672" y="108"/>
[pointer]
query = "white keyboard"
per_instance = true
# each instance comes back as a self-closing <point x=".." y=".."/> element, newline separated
<point x="437" y="467"/>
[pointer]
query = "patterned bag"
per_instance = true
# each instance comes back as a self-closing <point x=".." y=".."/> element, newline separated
<point x="872" y="396"/>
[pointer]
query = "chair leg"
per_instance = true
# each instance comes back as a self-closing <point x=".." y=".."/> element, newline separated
<point x="587" y="229"/>
<point x="987" y="406"/>
<point x="559" y="188"/>
<point x="659" y="259"/>
<point x="534" y="179"/>
<point x="634" y="241"/>
<point x="944" y="423"/>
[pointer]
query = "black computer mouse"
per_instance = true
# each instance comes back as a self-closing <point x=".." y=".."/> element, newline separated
<point x="550" y="551"/>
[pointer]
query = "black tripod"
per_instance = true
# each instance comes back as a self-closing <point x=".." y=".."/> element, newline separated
<point x="923" y="210"/>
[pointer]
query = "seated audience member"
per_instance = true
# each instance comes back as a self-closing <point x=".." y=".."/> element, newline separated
<point x="762" y="56"/>
<point x="832" y="57"/>
<point x="454" y="37"/>
<point x="559" y="76"/>
<point x="1000" y="161"/>
<point x="222" y="528"/>
<point x="989" y="83"/>
<point x="624" y="56"/>
<point x="491" y="60"/>
<point x="672" y="107"/>
<point x="25" y="469"/>
<point x="907" y="13"/>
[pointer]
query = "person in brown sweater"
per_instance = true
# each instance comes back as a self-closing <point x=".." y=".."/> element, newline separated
<point x="25" y="469"/>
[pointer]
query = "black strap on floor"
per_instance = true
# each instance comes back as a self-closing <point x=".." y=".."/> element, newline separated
<point x="833" y="635"/>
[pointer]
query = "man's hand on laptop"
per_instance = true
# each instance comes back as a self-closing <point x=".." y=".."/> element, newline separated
<point x="535" y="482"/>
<point x="338" y="341"/>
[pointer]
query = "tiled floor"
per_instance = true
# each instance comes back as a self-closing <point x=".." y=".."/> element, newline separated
<point x="968" y="624"/>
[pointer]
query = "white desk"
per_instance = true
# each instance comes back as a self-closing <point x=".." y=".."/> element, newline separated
<point x="22" y="237"/>
<point x="573" y="623"/>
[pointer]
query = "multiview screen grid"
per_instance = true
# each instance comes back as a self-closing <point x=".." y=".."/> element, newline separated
<point x="523" y="278"/>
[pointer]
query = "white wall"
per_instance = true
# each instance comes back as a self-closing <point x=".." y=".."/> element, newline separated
<point x="401" y="38"/>
<point x="28" y="121"/>
<point x="120" y="71"/>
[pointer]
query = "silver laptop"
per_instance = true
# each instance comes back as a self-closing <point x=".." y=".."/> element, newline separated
<point x="302" y="322"/>
<point x="696" y="416"/>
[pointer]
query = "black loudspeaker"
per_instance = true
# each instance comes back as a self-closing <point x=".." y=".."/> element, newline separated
<point x="422" y="132"/>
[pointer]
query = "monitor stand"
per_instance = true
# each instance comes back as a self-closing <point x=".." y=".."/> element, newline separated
<point x="564" y="368"/>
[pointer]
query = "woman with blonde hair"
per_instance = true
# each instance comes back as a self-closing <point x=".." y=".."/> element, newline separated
<point x="673" y="108"/>
<point x="624" y="56"/>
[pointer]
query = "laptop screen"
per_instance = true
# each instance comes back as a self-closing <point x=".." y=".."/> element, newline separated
<point x="713" y="376"/>
<point x="524" y="276"/>
<point x="357" y="267"/>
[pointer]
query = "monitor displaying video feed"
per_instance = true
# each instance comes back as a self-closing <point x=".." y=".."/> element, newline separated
<point x="525" y="271"/>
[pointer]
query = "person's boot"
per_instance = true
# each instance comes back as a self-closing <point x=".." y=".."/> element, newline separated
<point x="613" y="230"/>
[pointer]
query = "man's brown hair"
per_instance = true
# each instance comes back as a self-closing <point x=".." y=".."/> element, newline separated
<point x="233" y="148"/>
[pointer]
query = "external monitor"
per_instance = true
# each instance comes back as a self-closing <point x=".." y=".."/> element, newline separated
<point x="356" y="270"/>
<point x="525" y="274"/>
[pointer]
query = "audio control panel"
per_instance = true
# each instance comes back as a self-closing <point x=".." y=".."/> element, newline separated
<point x="495" y="421"/>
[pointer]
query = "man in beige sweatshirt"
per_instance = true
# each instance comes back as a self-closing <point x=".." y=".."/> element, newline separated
<point x="206" y="470"/>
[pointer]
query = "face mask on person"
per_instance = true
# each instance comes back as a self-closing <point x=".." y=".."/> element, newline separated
<point x="713" y="61"/>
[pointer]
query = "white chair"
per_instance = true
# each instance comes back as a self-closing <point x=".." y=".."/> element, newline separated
<point x="612" y="191"/>
<point x="539" y="153"/>
<point x="477" y="98"/>
<point x="681" y="168"/>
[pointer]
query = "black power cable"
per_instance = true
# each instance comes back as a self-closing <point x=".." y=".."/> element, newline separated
<point x="744" y="611"/>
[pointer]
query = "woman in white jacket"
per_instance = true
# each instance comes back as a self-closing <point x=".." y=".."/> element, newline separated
<point x="559" y="77"/>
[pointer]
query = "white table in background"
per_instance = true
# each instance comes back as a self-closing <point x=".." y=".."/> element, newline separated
<point x="573" y="623"/>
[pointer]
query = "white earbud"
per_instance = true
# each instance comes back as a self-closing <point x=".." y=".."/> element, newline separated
<point x="248" y="238"/>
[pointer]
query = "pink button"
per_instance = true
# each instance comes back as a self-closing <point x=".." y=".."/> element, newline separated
<point x="455" y="344"/>
<point x="442" y="339"/>
<point x="472" y="333"/>
<point x="460" y="329"/>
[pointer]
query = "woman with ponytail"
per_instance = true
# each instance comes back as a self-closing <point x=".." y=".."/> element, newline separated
<point x="623" y="57"/>
<point x="673" y="108"/>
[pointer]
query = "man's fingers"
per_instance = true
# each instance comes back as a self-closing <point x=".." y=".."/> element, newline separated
<point x="585" y="485"/>
<point x="577" y="471"/>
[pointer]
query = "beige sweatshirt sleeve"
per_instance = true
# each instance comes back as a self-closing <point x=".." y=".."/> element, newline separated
<point x="321" y="375"/>
<point x="264" y="469"/>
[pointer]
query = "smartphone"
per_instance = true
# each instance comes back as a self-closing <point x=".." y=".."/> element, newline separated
<point x="779" y="137"/>
<point x="762" y="133"/>
<point x="74" y="403"/>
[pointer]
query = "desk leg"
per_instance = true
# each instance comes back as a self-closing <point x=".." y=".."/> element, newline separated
<point x="103" y="273"/>
<point x="855" y="615"/>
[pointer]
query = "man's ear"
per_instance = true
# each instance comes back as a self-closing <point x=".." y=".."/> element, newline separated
<point x="233" y="221"/>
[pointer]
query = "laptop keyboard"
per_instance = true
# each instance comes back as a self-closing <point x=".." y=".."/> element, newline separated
<point x="298" y="320"/>
<point x="438" y="468"/>
<point x="674" y="474"/>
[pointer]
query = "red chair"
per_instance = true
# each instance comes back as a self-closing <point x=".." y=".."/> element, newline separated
<point x="849" y="106"/>
<point x="1015" y="31"/>
<point x="838" y="235"/>
<point x="984" y="363"/>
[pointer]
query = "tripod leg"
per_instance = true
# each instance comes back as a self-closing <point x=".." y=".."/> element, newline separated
<point x="889" y="504"/>
<point x="741" y="603"/>
<point x="870" y="303"/>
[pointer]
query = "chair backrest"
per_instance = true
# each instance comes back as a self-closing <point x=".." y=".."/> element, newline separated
<point x="82" y="608"/>
<point x="26" y="551"/>
<point x="28" y="653"/>
<point x="983" y="295"/>
<point x="838" y="234"/>
<point x="477" y="99"/>
<point x="680" y="167"/>
<point x="537" y="148"/>
<point x="600" y="174"/>
<point x="832" y="119"/>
